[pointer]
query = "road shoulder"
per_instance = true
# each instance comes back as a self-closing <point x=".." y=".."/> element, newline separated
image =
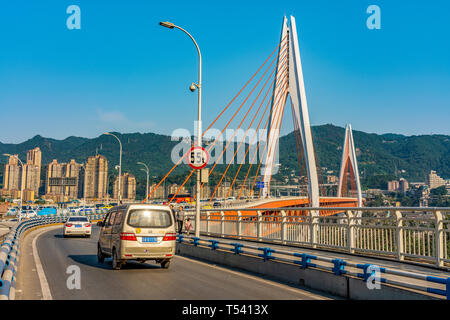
<point x="28" y="285"/>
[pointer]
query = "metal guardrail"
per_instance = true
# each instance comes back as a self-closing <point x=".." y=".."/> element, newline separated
<point x="421" y="235"/>
<point x="337" y="266"/>
<point x="10" y="250"/>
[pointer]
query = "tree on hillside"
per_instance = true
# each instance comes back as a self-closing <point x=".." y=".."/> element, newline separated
<point x="439" y="191"/>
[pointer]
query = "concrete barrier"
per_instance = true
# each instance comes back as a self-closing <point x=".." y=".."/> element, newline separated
<point x="341" y="286"/>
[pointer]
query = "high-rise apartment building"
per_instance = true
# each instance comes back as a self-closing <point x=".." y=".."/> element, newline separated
<point x="72" y="170"/>
<point x="393" y="185"/>
<point x="403" y="186"/>
<point x="34" y="157"/>
<point x="96" y="177"/>
<point x="31" y="177"/>
<point x="32" y="170"/>
<point x="127" y="188"/>
<point x="27" y="178"/>
<point x="12" y="175"/>
<point x="54" y="170"/>
<point x="434" y="181"/>
<point x="63" y="181"/>
<point x="158" y="193"/>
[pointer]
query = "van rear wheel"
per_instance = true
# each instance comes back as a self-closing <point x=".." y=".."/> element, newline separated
<point x="165" y="264"/>
<point x="100" y="255"/>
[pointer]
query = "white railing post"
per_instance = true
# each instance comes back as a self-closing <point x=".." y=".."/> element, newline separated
<point x="399" y="235"/>
<point x="439" y="238"/>
<point x="222" y="224"/>
<point x="207" y="222"/>
<point x="350" y="232"/>
<point x="258" y="226"/>
<point x="314" y="221"/>
<point x="239" y="231"/>
<point x="283" y="226"/>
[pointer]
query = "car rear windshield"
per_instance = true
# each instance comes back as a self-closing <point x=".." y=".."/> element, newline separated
<point x="147" y="218"/>
<point x="78" y="219"/>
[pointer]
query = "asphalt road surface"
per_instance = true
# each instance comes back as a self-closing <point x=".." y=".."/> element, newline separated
<point x="185" y="279"/>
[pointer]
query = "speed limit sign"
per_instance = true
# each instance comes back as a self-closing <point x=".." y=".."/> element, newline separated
<point x="197" y="157"/>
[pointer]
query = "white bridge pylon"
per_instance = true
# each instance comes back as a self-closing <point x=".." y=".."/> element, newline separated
<point x="349" y="158"/>
<point x="296" y="90"/>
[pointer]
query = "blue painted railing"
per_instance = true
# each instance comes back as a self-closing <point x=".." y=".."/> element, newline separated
<point x="338" y="266"/>
<point x="10" y="250"/>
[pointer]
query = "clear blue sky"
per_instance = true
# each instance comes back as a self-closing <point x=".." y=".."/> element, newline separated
<point x="123" y="72"/>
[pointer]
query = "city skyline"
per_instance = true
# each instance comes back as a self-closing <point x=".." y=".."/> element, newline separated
<point x="121" y="83"/>
<point x="63" y="181"/>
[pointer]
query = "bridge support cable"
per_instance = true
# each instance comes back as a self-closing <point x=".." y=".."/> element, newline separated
<point x="274" y="133"/>
<point x="231" y="139"/>
<point x="299" y="147"/>
<point x="274" y="149"/>
<point x="209" y="127"/>
<point x="259" y="142"/>
<point x="245" y="135"/>
<point x="284" y="92"/>
<point x="243" y="103"/>
<point x="250" y="143"/>
<point x="240" y="91"/>
<point x="266" y="144"/>
<point x="281" y="82"/>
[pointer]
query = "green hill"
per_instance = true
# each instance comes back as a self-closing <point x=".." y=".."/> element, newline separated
<point x="380" y="157"/>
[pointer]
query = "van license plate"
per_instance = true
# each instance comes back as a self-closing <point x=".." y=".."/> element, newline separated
<point x="78" y="226"/>
<point x="149" y="239"/>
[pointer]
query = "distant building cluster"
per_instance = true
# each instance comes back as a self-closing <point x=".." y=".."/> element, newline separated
<point x="223" y="191"/>
<point x="63" y="181"/>
<point x="398" y="185"/>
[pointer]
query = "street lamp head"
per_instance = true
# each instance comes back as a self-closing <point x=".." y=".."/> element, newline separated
<point x="7" y="155"/>
<point x="192" y="87"/>
<point x="167" y="24"/>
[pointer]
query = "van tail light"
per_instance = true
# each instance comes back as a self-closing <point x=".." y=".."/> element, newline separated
<point x="128" y="236"/>
<point x="87" y="225"/>
<point x="170" y="236"/>
<point x="69" y="224"/>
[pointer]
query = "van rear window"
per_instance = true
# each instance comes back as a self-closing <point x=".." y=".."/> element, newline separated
<point x="146" y="218"/>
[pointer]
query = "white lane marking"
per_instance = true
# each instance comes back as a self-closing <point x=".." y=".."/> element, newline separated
<point x="46" y="295"/>
<point x="281" y="286"/>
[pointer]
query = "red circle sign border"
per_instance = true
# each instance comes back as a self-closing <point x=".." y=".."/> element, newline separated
<point x="203" y="165"/>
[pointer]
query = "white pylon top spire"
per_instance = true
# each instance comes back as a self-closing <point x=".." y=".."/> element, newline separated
<point x="292" y="83"/>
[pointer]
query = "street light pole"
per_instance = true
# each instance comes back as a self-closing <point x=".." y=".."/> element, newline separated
<point x="199" y="121"/>
<point x="21" y="183"/>
<point x="84" y="187"/>
<point x="146" y="187"/>
<point x="119" y="195"/>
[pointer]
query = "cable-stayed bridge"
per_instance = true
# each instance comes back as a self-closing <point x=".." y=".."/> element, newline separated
<point x="260" y="247"/>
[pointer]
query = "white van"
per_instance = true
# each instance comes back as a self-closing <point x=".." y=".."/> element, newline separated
<point x="137" y="232"/>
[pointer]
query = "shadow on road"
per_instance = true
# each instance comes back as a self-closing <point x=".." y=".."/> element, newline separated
<point x="91" y="260"/>
<point x="61" y="236"/>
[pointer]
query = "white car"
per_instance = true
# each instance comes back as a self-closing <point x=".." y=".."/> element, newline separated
<point x="77" y="225"/>
<point x="26" y="214"/>
<point x="31" y="214"/>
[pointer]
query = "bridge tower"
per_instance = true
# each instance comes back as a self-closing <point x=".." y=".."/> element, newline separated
<point x="296" y="91"/>
<point x="349" y="163"/>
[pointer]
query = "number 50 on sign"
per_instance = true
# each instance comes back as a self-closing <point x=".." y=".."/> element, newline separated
<point x="197" y="157"/>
